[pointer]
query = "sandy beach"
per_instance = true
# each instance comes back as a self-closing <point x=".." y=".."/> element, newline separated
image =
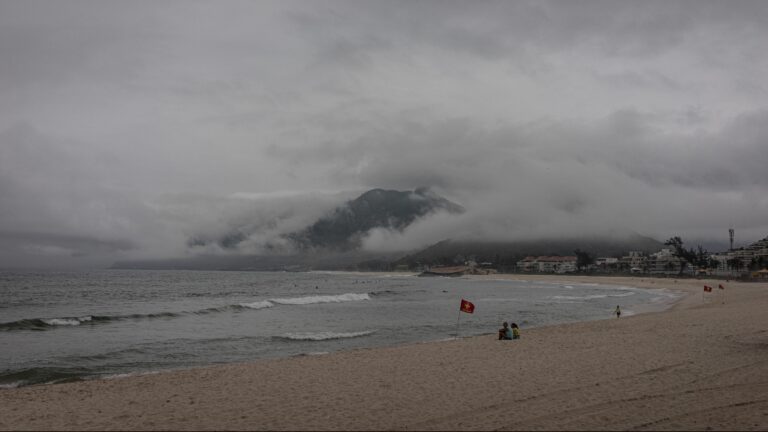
<point x="696" y="366"/>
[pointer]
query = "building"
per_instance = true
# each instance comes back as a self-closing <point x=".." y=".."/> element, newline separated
<point x="742" y="261"/>
<point x="547" y="264"/>
<point x="606" y="264"/>
<point x="664" y="262"/>
<point x="635" y="262"/>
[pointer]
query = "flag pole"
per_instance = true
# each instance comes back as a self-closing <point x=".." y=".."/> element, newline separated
<point x="457" y="324"/>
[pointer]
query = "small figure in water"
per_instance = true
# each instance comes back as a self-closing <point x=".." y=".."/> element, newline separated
<point x="515" y="331"/>
<point x="617" y="311"/>
<point x="504" y="332"/>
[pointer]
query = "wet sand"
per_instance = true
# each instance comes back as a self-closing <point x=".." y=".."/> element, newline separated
<point x="696" y="366"/>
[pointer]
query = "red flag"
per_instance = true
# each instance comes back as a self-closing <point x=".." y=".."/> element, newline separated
<point x="721" y="286"/>
<point x="466" y="306"/>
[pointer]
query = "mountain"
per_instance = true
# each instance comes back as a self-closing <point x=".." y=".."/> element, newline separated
<point x="506" y="254"/>
<point x="503" y="255"/>
<point x="343" y="229"/>
<point x="332" y="242"/>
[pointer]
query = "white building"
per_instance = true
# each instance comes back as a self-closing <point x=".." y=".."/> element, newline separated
<point x="664" y="262"/>
<point x="548" y="264"/>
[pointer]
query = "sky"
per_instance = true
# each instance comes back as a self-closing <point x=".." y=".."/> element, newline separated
<point x="129" y="127"/>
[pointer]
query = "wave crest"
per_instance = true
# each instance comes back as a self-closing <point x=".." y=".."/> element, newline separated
<point x="322" y="299"/>
<point x="590" y="297"/>
<point x="40" y="324"/>
<point x="68" y="321"/>
<point x="258" y="305"/>
<point x="320" y="336"/>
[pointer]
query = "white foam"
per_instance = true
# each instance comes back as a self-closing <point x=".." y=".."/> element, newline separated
<point x="67" y="321"/>
<point x="258" y="305"/>
<point x="626" y="294"/>
<point x="322" y="299"/>
<point x="588" y="297"/>
<point x="592" y="296"/>
<point x="13" y="384"/>
<point x="326" y="335"/>
<point x="126" y="375"/>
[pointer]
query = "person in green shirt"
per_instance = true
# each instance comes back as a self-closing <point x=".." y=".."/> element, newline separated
<point x="515" y="331"/>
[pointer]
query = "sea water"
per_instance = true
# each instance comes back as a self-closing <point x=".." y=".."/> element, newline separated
<point x="57" y="327"/>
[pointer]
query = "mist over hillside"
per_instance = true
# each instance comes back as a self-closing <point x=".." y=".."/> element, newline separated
<point x="242" y="128"/>
<point x="345" y="227"/>
<point x="337" y="240"/>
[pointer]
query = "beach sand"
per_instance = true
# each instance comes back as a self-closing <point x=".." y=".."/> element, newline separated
<point x="693" y="367"/>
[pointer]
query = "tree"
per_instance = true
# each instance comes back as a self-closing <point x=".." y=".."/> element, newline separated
<point x="702" y="257"/>
<point x="735" y="264"/>
<point x="713" y="263"/>
<point x="686" y="256"/>
<point x="583" y="259"/>
<point x="669" y="266"/>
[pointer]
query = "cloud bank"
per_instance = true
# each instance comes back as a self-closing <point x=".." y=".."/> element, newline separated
<point x="151" y="130"/>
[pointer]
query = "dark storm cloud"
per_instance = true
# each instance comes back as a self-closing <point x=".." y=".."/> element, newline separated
<point x="499" y="28"/>
<point x="639" y="79"/>
<point x="548" y="179"/>
<point x="156" y="129"/>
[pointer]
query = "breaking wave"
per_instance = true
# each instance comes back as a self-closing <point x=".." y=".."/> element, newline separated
<point x="48" y="323"/>
<point x="322" y="299"/>
<point x="40" y="324"/>
<point x="257" y="305"/>
<point x="321" y="336"/>
<point x="592" y="296"/>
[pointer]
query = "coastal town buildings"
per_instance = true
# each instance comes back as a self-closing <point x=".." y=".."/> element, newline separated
<point x="547" y="264"/>
<point x="663" y="262"/>
<point x="606" y="264"/>
<point x="743" y="261"/>
<point x="634" y="262"/>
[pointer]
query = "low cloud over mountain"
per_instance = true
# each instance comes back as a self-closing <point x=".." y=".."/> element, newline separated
<point x="239" y="128"/>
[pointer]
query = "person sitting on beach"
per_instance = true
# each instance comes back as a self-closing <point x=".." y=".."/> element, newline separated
<point x="515" y="331"/>
<point x="504" y="332"/>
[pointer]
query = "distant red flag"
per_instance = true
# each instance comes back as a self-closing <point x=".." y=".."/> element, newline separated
<point x="467" y="307"/>
<point x="721" y="286"/>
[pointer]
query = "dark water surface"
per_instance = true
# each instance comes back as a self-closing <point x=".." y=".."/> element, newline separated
<point x="57" y="327"/>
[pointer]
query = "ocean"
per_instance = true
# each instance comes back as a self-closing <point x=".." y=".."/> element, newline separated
<point x="67" y="326"/>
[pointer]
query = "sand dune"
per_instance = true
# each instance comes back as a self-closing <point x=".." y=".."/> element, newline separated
<point x="696" y="366"/>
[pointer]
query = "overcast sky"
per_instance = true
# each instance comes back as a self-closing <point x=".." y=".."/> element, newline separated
<point x="128" y="127"/>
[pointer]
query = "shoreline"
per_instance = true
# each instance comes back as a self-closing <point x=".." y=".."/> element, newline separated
<point x="552" y="368"/>
<point x="649" y="306"/>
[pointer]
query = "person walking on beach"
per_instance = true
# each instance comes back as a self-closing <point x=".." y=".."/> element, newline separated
<point x="504" y="332"/>
<point x="515" y="331"/>
<point x="617" y="311"/>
